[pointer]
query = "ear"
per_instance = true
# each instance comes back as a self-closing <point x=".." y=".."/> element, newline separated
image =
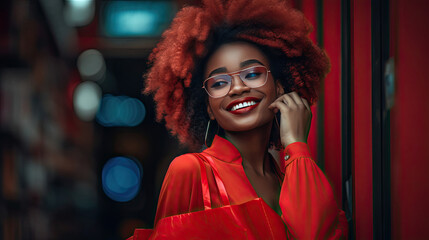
<point x="210" y="112"/>
<point x="279" y="89"/>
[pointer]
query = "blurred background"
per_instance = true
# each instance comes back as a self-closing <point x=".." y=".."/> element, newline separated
<point x="81" y="154"/>
<point x="82" y="157"/>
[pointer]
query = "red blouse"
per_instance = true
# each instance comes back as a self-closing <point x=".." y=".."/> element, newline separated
<point x="306" y="199"/>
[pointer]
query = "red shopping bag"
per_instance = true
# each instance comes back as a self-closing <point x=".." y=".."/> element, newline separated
<point x="250" y="220"/>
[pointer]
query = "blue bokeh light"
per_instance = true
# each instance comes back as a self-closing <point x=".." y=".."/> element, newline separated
<point x="136" y="18"/>
<point x="121" y="178"/>
<point x="120" y="111"/>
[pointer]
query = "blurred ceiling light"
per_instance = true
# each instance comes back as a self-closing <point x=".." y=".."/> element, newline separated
<point x="80" y="4"/>
<point x="121" y="178"/>
<point x="86" y="100"/>
<point x="91" y="65"/>
<point x="136" y="22"/>
<point x="121" y="111"/>
<point x="79" y="12"/>
<point x="65" y="36"/>
<point x="137" y="18"/>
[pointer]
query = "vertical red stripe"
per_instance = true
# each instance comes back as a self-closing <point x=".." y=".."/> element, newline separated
<point x="410" y="122"/>
<point x="309" y="10"/>
<point x="362" y="104"/>
<point x="332" y="118"/>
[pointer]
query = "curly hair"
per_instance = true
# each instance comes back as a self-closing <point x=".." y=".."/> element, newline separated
<point x="178" y="61"/>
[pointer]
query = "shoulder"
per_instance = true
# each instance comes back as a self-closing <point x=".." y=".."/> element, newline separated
<point x="181" y="191"/>
<point x="186" y="164"/>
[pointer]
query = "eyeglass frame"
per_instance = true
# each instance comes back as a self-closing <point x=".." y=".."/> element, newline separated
<point x="232" y="74"/>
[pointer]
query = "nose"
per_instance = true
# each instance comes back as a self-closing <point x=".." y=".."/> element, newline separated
<point x="237" y="86"/>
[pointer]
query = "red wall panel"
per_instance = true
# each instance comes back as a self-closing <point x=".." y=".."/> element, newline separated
<point x="309" y="10"/>
<point x="332" y="118"/>
<point x="410" y="121"/>
<point x="362" y="107"/>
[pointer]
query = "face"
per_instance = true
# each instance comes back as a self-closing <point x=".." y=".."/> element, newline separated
<point x="233" y="57"/>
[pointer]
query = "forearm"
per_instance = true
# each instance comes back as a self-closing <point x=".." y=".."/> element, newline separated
<point x="307" y="200"/>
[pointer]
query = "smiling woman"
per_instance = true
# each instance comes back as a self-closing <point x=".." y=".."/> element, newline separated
<point x="247" y="73"/>
<point x="233" y="57"/>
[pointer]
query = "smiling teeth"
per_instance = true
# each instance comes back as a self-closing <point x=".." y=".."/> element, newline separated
<point x="243" y="105"/>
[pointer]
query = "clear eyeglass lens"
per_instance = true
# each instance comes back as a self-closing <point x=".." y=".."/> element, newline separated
<point x="218" y="86"/>
<point x="254" y="77"/>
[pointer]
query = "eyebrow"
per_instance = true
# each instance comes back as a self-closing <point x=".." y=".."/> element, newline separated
<point x="251" y="61"/>
<point x="217" y="70"/>
<point x="242" y="64"/>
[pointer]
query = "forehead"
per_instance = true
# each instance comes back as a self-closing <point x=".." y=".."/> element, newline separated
<point x="230" y="55"/>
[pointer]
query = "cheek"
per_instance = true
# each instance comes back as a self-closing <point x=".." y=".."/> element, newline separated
<point x="272" y="91"/>
<point x="213" y="108"/>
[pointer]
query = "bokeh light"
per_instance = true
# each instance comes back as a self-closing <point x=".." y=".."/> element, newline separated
<point x="137" y="18"/>
<point x="122" y="111"/>
<point x="79" y="12"/>
<point x="91" y="65"/>
<point x="121" y="178"/>
<point x="86" y="100"/>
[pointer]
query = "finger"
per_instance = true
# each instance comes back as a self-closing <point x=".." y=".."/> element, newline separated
<point x="297" y="99"/>
<point x="272" y="105"/>
<point x="289" y="101"/>
<point x="280" y="99"/>
<point x="273" y="108"/>
<point x="307" y="105"/>
<point x="280" y="106"/>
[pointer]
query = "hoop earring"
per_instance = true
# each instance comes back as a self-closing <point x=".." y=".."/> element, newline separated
<point x="207" y="133"/>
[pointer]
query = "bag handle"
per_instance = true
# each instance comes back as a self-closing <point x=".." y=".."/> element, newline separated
<point x="204" y="183"/>
<point x="219" y="182"/>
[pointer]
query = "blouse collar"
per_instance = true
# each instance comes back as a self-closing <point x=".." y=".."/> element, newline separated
<point x="224" y="150"/>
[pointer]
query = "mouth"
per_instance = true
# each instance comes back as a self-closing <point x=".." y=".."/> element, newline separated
<point x="243" y="105"/>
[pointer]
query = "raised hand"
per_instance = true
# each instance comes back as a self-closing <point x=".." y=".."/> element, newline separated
<point x="295" y="118"/>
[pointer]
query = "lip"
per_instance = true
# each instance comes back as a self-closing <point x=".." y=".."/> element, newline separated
<point x="242" y="100"/>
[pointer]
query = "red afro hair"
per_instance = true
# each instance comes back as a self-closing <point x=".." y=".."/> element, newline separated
<point x="269" y="23"/>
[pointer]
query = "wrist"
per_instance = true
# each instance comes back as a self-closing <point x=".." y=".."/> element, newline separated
<point x="289" y="140"/>
<point x="294" y="150"/>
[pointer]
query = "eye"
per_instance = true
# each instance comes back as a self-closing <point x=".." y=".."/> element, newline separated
<point x="252" y="75"/>
<point x="218" y="84"/>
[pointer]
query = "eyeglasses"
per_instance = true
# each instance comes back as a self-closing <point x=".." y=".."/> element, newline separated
<point x="219" y="85"/>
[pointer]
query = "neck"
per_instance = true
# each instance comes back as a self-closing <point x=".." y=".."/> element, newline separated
<point x="253" y="147"/>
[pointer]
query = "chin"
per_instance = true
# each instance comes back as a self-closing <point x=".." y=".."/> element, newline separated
<point x="246" y="126"/>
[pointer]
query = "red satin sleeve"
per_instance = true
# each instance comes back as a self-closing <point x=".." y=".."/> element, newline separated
<point x="181" y="191"/>
<point x="307" y="200"/>
<point x="181" y="188"/>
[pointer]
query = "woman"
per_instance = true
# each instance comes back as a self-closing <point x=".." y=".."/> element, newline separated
<point x="239" y="76"/>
